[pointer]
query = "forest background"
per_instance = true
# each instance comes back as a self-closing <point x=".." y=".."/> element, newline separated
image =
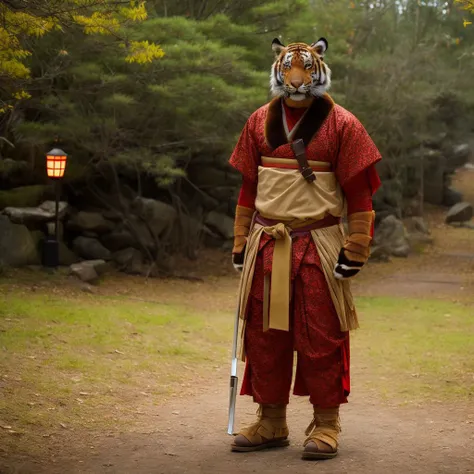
<point x="148" y="99"/>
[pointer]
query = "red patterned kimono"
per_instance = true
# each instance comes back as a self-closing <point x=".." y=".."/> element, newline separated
<point x="333" y="135"/>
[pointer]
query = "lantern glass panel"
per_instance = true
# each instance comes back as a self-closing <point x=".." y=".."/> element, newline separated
<point x="55" y="166"/>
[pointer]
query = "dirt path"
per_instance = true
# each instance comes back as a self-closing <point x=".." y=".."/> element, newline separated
<point x="189" y="437"/>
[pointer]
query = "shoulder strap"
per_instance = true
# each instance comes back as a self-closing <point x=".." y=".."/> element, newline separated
<point x="300" y="154"/>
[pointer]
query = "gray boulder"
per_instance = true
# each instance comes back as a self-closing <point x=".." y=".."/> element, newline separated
<point x="160" y="216"/>
<point x="220" y="223"/>
<point x="90" y="222"/>
<point x="90" y="249"/>
<point x="142" y="233"/>
<point x="417" y="225"/>
<point x="88" y="270"/>
<point x="461" y="212"/>
<point x="392" y="238"/>
<point x="50" y="207"/>
<point x="129" y="260"/>
<point x="33" y="215"/>
<point x="17" y="245"/>
<point x="118" y="239"/>
<point x="85" y="273"/>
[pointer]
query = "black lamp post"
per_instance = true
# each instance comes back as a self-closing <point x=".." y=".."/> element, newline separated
<point x="55" y="167"/>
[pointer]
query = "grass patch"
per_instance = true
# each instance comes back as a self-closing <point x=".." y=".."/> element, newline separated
<point x="90" y="362"/>
<point x="415" y="350"/>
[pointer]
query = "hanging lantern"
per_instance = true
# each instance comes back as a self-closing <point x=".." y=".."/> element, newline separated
<point x="56" y="163"/>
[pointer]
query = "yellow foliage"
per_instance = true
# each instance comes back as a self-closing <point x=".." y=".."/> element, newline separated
<point x="13" y="69"/>
<point x="102" y="17"/>
<point x="143" y="52"/>
<point x="20" y="95"/>
<point x="19" y="22"/>
<point x="466" y="5"/>
<point x="6" y="108"/>
<point x="136" y="11"/>
<point x="98" y="23"/>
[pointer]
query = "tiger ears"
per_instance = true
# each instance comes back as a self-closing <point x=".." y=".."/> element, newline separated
<point x="320" y="46"/>
<point x="277" y="46"/>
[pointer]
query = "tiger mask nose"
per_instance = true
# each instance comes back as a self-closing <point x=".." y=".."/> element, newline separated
<point x="296" y="83"/>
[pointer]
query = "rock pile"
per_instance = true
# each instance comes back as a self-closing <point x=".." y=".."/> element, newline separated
<point x="94" y="240"/>
<point x="401" y="191"/>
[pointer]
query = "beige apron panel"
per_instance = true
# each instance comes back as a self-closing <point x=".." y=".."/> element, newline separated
<point x="284" y="194"/>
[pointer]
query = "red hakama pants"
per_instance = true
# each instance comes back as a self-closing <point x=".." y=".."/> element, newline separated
<point x="322" y="349"/>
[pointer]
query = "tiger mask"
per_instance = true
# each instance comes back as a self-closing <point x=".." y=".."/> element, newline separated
<point x="299" y="71"/>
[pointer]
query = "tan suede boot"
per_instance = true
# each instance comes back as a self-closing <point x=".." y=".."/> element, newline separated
<point x="269" y="431"/>
<point x="323" y="434"/>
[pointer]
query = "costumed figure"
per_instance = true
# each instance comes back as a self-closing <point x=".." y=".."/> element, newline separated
<point x="306" y="162"/>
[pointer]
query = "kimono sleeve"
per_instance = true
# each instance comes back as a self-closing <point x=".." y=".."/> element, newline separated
<point x="357" y="153"/>
<point x="246" y="156"/>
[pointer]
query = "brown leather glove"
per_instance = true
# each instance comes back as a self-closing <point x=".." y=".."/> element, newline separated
<point x="356" y="250"/>
<point x="243" y="220"/>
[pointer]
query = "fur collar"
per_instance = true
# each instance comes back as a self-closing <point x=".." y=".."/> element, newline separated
<point x="308" y="127"/>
